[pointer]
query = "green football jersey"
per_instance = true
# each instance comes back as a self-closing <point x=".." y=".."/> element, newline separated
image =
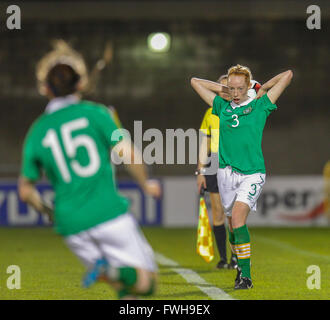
<point x="72" y="145"/>
<point x="241" y="129"/>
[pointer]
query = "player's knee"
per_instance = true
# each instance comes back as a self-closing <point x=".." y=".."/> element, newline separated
<point x="218" y="220"/>
<point x="239" y="214"/>
<point x="237" y="221"/>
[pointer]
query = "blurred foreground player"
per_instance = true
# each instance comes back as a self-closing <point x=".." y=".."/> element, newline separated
<point x="71" y="142"/>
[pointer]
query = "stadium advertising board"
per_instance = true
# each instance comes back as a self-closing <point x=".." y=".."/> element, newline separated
<point x="13" y="212"/>
<point x="290" y="201"/>
<point x="285" y="201"/>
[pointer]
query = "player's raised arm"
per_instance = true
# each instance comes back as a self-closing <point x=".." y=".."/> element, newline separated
<point x="275" y="86"/>
<point x="207" y="90"/>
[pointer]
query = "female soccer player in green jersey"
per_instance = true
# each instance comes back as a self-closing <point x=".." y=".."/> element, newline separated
<point x="241" y="173"/>
<point x="207" y="174"/>
<point x="71" y="143"/>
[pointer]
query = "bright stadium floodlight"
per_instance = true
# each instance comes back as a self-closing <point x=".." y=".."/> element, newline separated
<point x="159" y="42"/>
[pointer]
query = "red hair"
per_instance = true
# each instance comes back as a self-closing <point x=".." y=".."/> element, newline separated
<point x="241" y="70"/>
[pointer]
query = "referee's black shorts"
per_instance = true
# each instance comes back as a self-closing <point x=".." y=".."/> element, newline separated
<point x="211" y="170"/>
<point x="211" y="183"/>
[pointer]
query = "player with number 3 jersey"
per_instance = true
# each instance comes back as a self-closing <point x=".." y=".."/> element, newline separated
<point x="241" y="173"/>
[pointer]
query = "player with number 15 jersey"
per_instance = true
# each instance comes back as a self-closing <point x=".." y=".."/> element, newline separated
<point x="72" y="142"/>
<point x="82" y="178"/>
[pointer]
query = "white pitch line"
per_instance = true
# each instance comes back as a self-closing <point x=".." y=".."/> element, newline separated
<point x="192" y="277"/>
<point x="293" y="249"/>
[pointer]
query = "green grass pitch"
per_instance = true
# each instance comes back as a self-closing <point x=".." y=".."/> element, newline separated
<point x="280" y="261"/>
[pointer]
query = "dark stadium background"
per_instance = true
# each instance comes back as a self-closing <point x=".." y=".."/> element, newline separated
<point x="289" y="231"/>
<point x="207" y="38"/>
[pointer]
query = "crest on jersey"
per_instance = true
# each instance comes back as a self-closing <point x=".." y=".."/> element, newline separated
<point x="247" y="110"/>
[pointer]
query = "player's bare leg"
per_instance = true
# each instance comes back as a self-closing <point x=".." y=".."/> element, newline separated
<point x="217" y="210"/>
<point x="239" y="214"/>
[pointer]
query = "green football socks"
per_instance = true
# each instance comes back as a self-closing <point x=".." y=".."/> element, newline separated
<point x="127" y="276"/>
<point x="231" y="238"/>
<point x="243" y="250"/>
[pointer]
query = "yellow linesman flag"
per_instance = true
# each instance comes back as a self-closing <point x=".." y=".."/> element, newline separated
<point x="204" y="233"/>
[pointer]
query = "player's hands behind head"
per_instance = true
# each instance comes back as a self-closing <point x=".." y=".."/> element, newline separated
<point x="260" y="93"/>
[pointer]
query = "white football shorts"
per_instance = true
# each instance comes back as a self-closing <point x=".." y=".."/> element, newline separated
<point x="235" y="186"/>
<point x="120" y="241"/>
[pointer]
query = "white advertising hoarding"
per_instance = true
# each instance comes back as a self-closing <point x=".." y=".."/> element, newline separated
<point x="284" y="201"/>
